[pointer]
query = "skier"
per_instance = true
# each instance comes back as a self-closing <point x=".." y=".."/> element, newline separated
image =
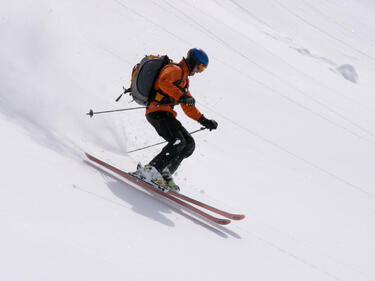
<point x="172" y="87"/>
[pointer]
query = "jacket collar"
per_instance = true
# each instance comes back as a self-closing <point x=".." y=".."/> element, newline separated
<point x="184" y="66"/>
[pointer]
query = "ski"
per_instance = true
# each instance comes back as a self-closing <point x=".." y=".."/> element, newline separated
<point x="207" y="207"/>
<point x="134" y="180"/>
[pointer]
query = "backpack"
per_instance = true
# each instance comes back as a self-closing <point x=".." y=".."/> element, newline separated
<point x="143" y="77"/>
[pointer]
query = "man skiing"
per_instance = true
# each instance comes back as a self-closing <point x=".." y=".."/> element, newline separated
<point x="171" y="88"/>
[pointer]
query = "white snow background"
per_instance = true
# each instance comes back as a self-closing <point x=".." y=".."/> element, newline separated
<point x="290" y="84"/>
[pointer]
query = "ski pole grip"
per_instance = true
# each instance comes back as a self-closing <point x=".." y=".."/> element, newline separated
<point x="125" y="91"/>
<point x="119" y="98"/>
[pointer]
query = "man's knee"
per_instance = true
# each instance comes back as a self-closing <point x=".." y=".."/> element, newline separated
<point x="177" y="145"/>
<point x="184" y="146"/>
<point x="189" y="147"/>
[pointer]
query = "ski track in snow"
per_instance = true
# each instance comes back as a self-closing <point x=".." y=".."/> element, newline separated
<point x="330" y="109"/>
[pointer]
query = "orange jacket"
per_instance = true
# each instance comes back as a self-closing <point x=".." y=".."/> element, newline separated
<point x="166" y="83"/>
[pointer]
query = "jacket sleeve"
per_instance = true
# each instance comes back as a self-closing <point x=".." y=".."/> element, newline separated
<point x="167" y="79"/>
<point x="191" y="111"/>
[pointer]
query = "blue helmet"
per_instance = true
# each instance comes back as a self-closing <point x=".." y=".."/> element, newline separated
<point x="195" y="57"/>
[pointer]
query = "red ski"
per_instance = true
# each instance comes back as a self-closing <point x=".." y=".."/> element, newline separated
<point x="134" y="180"/>
<point x="207" y="207"/>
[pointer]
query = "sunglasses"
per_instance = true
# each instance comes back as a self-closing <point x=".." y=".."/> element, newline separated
<point x="201" y="67"/>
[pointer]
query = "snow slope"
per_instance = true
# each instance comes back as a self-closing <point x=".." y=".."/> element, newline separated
<point x="289" y="83"/>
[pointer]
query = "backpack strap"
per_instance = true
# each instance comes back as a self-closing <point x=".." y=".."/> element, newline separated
<point x="163" y="98"/>
<point x="178" y="82"/>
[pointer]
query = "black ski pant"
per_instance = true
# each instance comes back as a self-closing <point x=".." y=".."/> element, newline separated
<point x="180" y="143"/>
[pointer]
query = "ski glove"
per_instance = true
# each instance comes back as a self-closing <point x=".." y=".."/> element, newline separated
<point x="190" y="101"/>
<point x="207" y="123"/>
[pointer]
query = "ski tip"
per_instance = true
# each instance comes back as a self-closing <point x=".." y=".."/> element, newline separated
<point x="238" y="217"/>
<point x="223" y="221"/>
<point x="88" y="155"/>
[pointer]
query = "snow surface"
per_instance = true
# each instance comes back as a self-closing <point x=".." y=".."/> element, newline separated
<point x="291" y="86"/>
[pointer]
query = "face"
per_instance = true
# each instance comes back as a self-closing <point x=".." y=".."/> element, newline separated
<point x="198" y="69"/>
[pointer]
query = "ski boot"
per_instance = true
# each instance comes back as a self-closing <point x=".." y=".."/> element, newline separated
<point x="150" y="175"/>
<point x="169" y="181"/>
<point x="139" y="173"/>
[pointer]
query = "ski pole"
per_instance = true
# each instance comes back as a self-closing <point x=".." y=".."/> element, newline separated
<point x="91" y="113"/>
<point x="131" y="151"/>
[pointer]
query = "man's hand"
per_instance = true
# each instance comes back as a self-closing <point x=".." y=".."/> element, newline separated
<point x="207" y="123"/>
